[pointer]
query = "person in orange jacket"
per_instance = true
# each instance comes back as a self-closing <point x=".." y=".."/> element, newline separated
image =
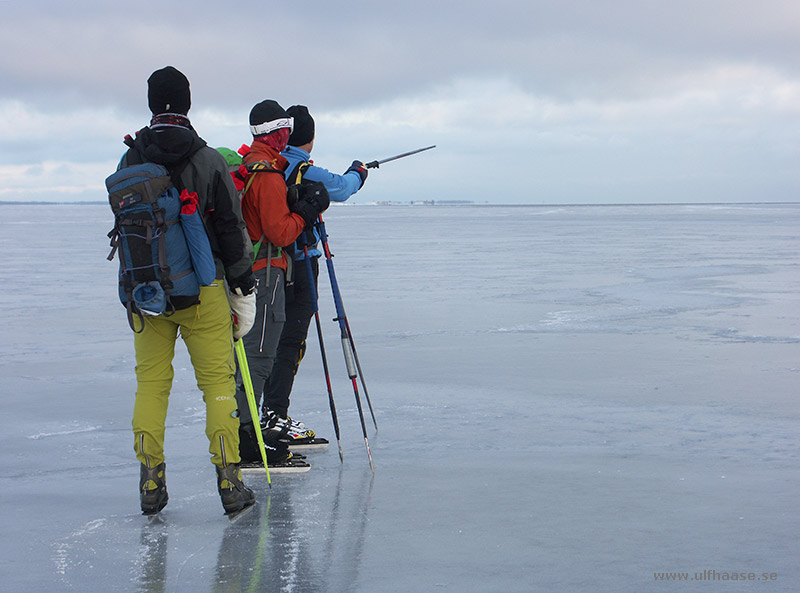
<point x="272" y="224"/>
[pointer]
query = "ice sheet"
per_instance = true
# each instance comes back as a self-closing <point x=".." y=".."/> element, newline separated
<point x="568" y="399"/>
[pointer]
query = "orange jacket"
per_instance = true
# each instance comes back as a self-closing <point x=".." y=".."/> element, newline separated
<point x="264" y="207"/>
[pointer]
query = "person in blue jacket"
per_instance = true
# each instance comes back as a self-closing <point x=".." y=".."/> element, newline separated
<point x="299" y="304"/>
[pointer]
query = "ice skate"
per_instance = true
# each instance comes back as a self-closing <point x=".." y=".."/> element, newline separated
<point x="234" y="494"/>
<point x="153" y="489"/>
<point x="289" y="431"/>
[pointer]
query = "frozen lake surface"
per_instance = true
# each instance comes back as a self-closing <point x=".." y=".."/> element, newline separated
<point x="569" y="399"/>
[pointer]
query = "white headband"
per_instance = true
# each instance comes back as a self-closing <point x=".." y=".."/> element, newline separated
<point x="270" y="126"/>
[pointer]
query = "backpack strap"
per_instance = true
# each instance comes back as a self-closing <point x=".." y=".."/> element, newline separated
<point x="296" y="178"/>
<point x="260" y="167"/>
<point x="129" y="306"/>
<point x="176" y="171"/>
<point x="298" y="172"/>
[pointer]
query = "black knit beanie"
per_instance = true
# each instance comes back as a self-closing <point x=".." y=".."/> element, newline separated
<point x="266" y="111"/>
<point x="168" y="92"/>
<point x="303" y="125"/>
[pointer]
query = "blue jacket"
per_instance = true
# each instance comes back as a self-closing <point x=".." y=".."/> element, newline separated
<point x="340" y="187"/>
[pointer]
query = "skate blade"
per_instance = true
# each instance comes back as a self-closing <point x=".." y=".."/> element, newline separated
<point x="315" y="444"/>
<point x="234" y="517"/>
<point x="154" y="518"/>
<point x="278" y="469"/>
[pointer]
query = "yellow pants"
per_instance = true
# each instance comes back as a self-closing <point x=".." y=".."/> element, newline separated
<point x="206" y="330"/>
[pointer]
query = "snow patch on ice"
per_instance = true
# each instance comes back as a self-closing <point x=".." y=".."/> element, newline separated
<point x="732" y="334"/>
<point x="57" y="433"/>
<point x="62" y="554"/>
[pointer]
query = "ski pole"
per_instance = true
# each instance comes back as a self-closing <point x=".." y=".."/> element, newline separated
<point x="376" y="164"/>
<point x="264" y="409"/>
<point x="347" y="342"/>
<point x="251" y="402"/>
<point x="315" y="303"/>
<point x="341" y="315"/>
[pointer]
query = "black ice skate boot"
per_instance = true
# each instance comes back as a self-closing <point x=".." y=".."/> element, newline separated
<point x="279" y="457"/>
<point x="248" y="443"/>
<point x="234" y="494"/>
<point x="153" y="488"/>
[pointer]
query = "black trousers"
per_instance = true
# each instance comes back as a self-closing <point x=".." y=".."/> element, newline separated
<point x="299" y="311"/>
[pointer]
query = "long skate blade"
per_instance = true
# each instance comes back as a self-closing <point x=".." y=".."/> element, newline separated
<point x="234" y="517"/>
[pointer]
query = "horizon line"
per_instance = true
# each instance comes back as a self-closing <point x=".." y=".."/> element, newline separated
<point x="451" y="203"/>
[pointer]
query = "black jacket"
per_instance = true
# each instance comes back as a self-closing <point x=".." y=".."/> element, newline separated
<point x="205" y="173"/>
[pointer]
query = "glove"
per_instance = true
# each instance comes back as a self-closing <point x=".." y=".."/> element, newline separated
<point x="243" y="285"/>
<point x="359" y="168"/>
<point x="242" y="301"/>
<point x="243" y="312"/>
<point x="293" y="195"/>
<point x="313" y="201"/>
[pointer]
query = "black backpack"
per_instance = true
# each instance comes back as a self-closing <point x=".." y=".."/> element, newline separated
<point x="297" y="187"/>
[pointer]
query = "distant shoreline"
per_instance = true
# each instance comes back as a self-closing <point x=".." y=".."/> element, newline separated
<point x="458" y="204"/>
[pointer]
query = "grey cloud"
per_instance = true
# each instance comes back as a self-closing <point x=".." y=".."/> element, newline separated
<point x="100" y="53"/>
<point x="620" y="99"/>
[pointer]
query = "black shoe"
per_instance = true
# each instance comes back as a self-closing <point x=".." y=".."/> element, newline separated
<point x="234" y="494"/>
<point x="248" y="443"/>
<point x="153" y="488"/>
<point x="279" y="458"/>
<point x="277" y="451"/>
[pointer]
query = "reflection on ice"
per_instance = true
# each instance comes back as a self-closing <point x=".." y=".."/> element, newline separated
<point x="297" y="538"/>
<point x="281" y="547"/>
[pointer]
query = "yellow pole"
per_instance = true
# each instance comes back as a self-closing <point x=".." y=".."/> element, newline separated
<point x="251" y="402"/>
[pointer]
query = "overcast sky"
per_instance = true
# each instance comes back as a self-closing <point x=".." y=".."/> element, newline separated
<point x="564" y="101"/>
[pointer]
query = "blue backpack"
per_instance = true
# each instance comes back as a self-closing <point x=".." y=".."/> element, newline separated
<point x="164" y="253"/>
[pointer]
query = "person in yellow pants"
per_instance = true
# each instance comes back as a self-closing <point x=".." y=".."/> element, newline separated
<point x="203" y="321"/>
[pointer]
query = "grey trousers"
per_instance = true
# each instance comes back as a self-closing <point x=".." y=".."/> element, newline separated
<point x="261" y="343"/>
